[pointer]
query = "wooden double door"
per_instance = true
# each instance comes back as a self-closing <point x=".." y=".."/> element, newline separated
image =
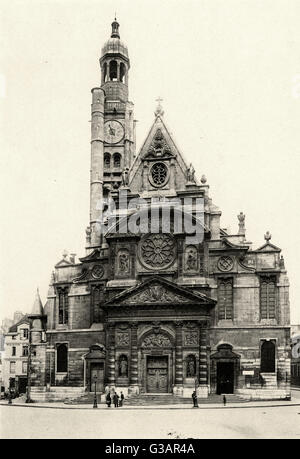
<point x="97" y="376"/>
<point x="157" y="374"/>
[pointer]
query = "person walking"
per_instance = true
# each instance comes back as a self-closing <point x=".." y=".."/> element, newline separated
<point x="108" y="400"/>
<point x="121" y="399"/>
<point x="224" y="400"/>
<point x="116" y="400"/>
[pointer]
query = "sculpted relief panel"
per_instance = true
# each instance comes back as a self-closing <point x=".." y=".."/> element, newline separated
<point x="122" y="339"/>
<point x="156" y="293"/>
<point x="156" y="340"/>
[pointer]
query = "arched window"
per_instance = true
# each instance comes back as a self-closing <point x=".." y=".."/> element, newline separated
<point x="267" y="357"/>
<point x="117" y="160"/>
<point x="123" y="366"/>
<point x="63" y="306"/>
<point x="190" y="366"/>
<point x="62" y="358"/>
<point x="225" y="299"/>
<point x="105" y="72"/>
<point x="268" y="298"/>
<point x="97" y="298"/>
<point x="113" y="71"/>
<point x="106" y="161"/>
<point x="122" y="72"/>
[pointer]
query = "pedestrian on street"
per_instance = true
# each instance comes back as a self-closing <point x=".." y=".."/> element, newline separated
<point x="194" y="397"/>
<point x="121" y="399"/>
<point x="108" y="400"/>
<point x="224" y="400"/>
<point x="116" y="400"/>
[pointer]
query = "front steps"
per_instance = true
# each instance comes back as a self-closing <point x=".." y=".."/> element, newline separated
<point x="55" y="393"/>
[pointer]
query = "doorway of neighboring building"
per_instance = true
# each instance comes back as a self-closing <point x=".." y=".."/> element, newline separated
<point x="225" y="378"/>
<point x="22" y="385"/>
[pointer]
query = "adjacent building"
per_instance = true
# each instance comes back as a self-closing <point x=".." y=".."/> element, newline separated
<point x="295" y="369"/>
<point x="164" y="298"/>
<point x="15" y="356"/>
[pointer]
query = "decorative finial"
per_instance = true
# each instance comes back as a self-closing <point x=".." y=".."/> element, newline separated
<point x="203" y="179"/>
<point x="268" y="236"/>
<point x="115" y="28"/>
<point x="65" y="254"/>
<point x="159" y="110"/>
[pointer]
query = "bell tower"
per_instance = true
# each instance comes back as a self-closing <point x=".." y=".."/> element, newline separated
<point x="113" y="128"/>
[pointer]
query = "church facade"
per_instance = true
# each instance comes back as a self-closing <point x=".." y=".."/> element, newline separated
<point x="164" y="300"/>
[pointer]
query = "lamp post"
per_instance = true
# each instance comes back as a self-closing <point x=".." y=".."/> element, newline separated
<point x="28" y="392"/>
<point x="95" y="395"/>
<point x="196" y="398"/>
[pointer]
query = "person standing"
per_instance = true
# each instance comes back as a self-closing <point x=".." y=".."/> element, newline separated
<point x="121" y="399"/>
<point x="108" y="400"/>
<point x="224" y="400"/>
<point x="116" y="400"/>
<point x="194" y="397"/>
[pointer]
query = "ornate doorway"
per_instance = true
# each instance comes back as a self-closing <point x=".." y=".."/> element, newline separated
<point x="97" y="370"/>
<point x="157" y="374"/>
<point x="225" y="377"/>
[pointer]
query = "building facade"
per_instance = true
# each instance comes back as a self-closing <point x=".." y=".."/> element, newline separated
<point x="15" y="357"/>
<point x="164" y="298"/>
<point x="295" y="367"/>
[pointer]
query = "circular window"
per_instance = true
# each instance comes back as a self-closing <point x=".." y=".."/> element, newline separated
<point x="97" y="271"/>
<point x="157" y="251"/>
<point x="158" y="174"/>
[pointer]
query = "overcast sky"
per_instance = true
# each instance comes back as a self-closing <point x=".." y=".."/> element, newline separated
<point x="228" y="73"/>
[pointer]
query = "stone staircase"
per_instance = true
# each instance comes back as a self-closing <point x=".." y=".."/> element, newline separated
<point x="55" y="394"/>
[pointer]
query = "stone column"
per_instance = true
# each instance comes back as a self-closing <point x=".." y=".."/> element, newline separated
<point x="111" y="355"/>
<point x="133" y="381"/>
<point x="178" y="389"/>
<point x="203" y="380"/>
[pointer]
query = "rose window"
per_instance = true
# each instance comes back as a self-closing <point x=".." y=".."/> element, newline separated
<point x="157" y="251"/>
<point x="159" y="174"/>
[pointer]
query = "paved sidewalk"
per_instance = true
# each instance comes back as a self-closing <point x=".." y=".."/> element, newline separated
<point x="102" y="406"/>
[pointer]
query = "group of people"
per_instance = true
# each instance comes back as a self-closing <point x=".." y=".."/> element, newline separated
<point x="117" y="400"/>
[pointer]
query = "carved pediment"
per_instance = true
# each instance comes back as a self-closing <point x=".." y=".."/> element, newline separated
<point x="159" y="147"/>
<point x="159" y="291"/>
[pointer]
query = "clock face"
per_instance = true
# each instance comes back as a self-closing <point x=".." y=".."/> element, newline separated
<point x="113" y="131"/>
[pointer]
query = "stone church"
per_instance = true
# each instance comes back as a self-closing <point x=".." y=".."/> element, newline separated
<point x="151" y="309"/>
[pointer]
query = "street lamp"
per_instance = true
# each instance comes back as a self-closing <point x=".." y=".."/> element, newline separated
<point x="28" y="391"/>
<point x="196" y="398"/>
<point x="95" y="395"/>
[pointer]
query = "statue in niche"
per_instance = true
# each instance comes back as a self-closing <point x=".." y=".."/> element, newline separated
<point x="191" y="259"/>
<point x="123" y="366"/>
<point x="191" y="370"/>
<point x="125" y="177"/>
<point x="123" y="262"/>
<point x="190" y="174"/>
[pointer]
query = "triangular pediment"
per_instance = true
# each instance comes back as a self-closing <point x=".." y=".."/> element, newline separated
<point x="159" y="145"/>
<point x="159" y="291"/>
<point x="268" y="247"/>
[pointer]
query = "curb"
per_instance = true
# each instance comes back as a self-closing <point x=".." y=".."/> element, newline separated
<point x="202" y="407"/>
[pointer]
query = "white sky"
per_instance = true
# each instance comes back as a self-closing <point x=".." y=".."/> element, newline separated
<point x="226" y="72"/>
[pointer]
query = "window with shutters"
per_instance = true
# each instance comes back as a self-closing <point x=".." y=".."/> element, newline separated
<point x="225" y="299"/>
<point x="268" y="298"/>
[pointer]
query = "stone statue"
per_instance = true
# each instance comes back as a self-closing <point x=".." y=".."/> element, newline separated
<point x="191" y="260"/>
<point x="241" y="218"/>
<point x="190" y="174"/>
<point x="191" y="368"/>
<point x="123" y="367"/>
<point x="88" y="233"/>
<point x="125" y="177"/>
